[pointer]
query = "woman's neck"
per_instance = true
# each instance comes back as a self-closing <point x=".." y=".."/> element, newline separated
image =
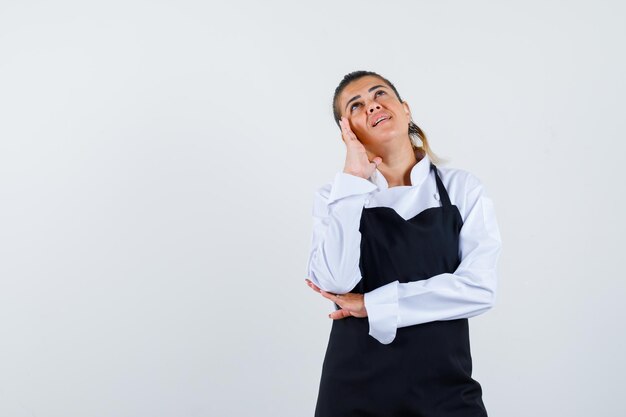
<point x="397" y="165"/>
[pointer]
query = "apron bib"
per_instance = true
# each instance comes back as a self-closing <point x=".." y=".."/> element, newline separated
<point x="426" y="370"/>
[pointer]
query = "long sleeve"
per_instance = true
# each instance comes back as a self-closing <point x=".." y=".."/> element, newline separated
<point x="333" y="263"/>
<point x="467" y="292"/>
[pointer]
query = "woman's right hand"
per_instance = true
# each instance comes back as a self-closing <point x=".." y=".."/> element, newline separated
<point x="357" y="162"/>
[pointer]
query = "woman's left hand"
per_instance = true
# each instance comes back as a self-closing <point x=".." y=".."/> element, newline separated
<point x="351" y="304"/>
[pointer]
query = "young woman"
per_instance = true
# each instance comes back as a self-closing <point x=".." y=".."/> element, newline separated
<point x="407" y="252"/>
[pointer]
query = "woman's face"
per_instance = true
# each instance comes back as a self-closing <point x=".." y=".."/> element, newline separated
<point x="376" y="115"/>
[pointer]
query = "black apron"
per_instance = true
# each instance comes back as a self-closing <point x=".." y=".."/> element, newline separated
<point x="426" y="370"/>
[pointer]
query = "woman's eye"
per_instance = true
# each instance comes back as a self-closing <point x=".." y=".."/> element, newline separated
<point x="355" y="104"/>
<point x="380" y="91"/>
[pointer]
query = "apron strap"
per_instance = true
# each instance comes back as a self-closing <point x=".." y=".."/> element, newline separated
<point x="443" y="194"/>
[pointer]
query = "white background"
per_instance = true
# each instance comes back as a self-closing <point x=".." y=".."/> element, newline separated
<point x="158" y="161"/>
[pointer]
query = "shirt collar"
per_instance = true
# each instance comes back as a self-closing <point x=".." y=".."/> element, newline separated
<point x="418" y="173"/>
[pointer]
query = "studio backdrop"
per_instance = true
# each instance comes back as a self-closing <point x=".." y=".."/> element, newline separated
<point x="158" y="162"/>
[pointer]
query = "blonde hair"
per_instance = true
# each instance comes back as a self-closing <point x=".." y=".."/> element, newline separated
<point x="420" y="145"/>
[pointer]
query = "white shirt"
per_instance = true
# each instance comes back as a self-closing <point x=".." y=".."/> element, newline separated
<point x="333" y="263"/>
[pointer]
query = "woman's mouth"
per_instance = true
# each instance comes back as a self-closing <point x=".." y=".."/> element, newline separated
<point x="380" y="120"/>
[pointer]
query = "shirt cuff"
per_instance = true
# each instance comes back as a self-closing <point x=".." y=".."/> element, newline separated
<point x="382" y="312"/>
<point x="345" y="185"/>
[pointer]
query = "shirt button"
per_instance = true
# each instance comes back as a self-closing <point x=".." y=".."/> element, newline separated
<point x="367" y="201"/>
<point x="436" y="195"/>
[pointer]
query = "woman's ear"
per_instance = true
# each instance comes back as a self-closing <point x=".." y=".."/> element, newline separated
<point x="407" y="109"/>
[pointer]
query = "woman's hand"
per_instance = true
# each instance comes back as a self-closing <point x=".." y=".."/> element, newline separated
<point x="351" y="304"/>
<point x="357" y="162"/>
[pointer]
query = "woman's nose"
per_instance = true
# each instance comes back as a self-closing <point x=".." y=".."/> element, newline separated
<point x="373" y="107"/>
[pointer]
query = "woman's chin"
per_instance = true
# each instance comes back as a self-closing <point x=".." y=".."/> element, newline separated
<point x="386" y="136"/>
